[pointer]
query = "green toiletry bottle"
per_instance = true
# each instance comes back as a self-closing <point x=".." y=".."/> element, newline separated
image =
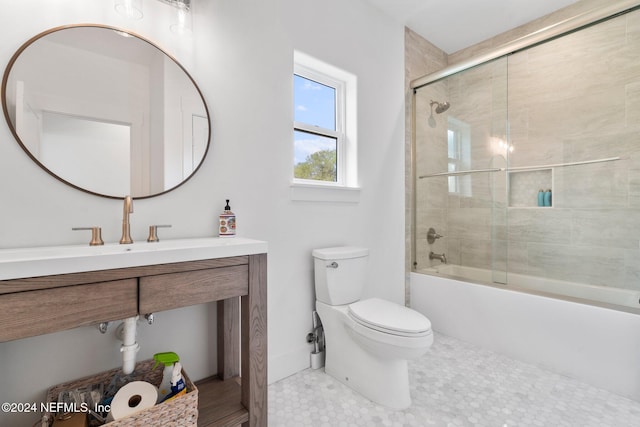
<point x="168" y="359"/>
<point x="178" y="387"/>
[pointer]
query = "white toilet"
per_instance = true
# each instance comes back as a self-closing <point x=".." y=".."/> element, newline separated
<point x="368" y="342"/>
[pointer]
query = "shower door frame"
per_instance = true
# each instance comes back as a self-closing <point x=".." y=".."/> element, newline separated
<point x="548" y="33"/>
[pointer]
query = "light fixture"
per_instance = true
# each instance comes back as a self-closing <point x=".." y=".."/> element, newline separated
<point x="131" y="9"/>
<point x="181" y="22"/>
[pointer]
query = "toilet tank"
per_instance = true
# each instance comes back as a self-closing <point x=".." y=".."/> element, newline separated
<point x="340" y="274"/>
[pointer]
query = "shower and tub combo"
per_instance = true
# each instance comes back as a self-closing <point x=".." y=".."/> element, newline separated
<point x="557" y="112"/>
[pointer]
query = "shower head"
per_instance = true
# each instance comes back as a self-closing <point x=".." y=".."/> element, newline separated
<point x="441" y="107"/>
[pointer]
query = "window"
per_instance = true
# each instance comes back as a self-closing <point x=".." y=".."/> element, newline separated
<point x="324" y="124"/>
<point x="317" y="131"/>
<point x="459" y="156"/>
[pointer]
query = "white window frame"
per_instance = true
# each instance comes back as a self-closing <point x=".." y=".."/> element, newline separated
<point x="337" y="134"/>
<point x="345" y="133"/>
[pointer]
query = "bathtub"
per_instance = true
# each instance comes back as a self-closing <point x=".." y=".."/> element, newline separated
<point x="584" y="293"/>
<point x="594" y="342"/>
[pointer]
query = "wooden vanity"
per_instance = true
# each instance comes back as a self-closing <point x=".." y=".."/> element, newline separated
<point x="32" y="306"/>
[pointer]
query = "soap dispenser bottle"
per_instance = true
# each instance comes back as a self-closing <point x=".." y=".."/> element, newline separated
<point x="227" y="222"/>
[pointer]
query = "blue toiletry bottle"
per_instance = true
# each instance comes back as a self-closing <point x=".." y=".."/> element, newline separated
<point x="547" y="198"/>
<point x="178" y="388"/>
<point x="541" y="198"/>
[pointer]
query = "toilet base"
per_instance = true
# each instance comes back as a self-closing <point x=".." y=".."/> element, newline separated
<point x="384" y="381"/>
<point x="388" y="387"/>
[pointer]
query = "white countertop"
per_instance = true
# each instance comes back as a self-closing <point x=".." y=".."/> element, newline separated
<point x="49" y="260"/>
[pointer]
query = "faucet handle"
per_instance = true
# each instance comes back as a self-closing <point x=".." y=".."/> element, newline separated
<point x="432" y="235"/>
<point x="153" y="232"/>
<point x="96" y="235"/>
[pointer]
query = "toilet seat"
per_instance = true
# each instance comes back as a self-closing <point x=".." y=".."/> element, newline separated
<point x="390" y="318"/>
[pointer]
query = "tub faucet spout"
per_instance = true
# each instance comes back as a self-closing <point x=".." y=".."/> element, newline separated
<point x="441" y="257"/>
<point x="126" y="232"/>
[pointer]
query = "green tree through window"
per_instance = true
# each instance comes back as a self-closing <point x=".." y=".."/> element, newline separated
<point x="320" y="165"/>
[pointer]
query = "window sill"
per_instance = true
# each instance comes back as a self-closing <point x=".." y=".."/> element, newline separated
<point x="324" y="193"/>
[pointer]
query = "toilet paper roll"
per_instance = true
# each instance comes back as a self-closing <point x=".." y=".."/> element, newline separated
<point x="133" y="397"/>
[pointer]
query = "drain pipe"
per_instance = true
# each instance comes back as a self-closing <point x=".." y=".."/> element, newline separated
<point x="129" y="346"/>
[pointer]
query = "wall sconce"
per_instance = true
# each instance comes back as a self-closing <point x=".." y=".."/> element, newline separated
<point x="181" y="22"/>
<point x="131" y="9"/>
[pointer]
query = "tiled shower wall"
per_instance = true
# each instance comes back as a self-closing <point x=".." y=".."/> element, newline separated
<point x="421" y="57"/>
<point x="576" y="98"/>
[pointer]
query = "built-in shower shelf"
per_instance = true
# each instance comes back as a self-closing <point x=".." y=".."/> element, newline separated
<point x="525" y="184"/>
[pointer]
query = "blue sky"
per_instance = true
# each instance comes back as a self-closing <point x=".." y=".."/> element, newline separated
<point x="314" y="104"/>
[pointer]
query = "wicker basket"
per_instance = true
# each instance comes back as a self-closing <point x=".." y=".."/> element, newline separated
<point x="181" y="411"/>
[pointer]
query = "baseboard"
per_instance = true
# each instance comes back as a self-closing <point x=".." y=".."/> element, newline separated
<point x="287" y="364"/>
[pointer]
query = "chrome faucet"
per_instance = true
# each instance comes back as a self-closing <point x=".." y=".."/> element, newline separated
<point x="128" y="209"/>
<point x="441" y="257"/>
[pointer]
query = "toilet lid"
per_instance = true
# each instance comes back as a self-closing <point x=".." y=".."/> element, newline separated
<point x="389" y="317"/>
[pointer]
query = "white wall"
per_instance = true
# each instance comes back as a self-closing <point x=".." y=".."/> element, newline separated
<point x="241" y="56"/>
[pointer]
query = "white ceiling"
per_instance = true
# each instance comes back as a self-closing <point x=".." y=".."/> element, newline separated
<point x="452" y="25"/>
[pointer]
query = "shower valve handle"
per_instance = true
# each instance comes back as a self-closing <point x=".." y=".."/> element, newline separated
<point x="432" y="236"/>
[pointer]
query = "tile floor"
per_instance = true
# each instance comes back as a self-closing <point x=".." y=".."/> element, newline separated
<point x="455" y="384"/>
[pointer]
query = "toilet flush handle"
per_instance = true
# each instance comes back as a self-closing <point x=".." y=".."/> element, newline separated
<point x="332" y="265"/>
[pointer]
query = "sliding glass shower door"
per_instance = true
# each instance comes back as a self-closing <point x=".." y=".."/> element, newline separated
<point x="527" y="168"/>
<point x="462" y="149"/>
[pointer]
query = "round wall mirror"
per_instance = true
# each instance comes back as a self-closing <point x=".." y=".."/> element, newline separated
<point x="106" y="111"/>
